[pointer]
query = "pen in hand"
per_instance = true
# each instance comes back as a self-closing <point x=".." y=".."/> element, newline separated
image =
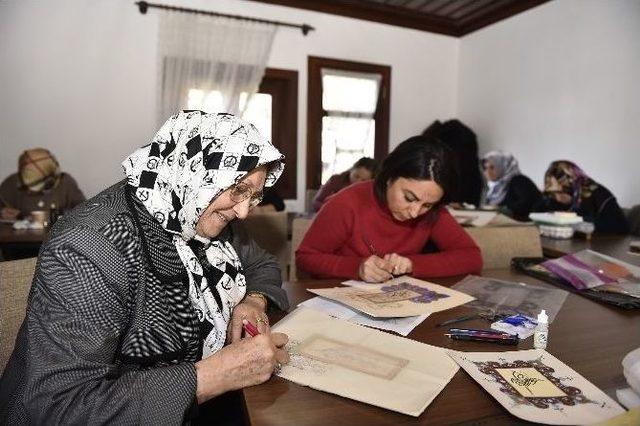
<point x="250" y="329"/>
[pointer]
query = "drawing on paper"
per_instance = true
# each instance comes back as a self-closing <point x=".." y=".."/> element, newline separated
<point x="421" y="294"/>
<point x="389" y="296"/>
<point x="353" y="357"/>
<point x="532" y="383"/>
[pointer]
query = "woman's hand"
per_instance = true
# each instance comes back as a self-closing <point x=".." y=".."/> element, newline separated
<point x="375" y="269"/>
<point x="253" y="310"/>
<point x="400" y="265"/>
<point x="9" y="213"/>
<point x="248" y="362"/>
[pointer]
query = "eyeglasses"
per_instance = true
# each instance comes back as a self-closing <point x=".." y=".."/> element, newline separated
<point x="241" y="192"/>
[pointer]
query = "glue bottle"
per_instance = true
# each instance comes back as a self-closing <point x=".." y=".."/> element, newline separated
<point x="541" y="332"/>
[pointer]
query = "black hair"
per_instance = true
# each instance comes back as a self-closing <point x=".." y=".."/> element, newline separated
<point x="419" y="158"/>
<point x="367" y="163"/>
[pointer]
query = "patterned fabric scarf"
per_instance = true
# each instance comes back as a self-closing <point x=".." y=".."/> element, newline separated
<point x="565" y="176"/>
<point x="506" y="166"/>
<point x="192" y="159"/>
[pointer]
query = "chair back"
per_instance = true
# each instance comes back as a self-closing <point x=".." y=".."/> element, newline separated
<point x="269" y="230"/>
<point x="308" y="200"/>
<point x="500" y="244"/>
<point x="298" y="230"/>
<point x="15" y="283"/>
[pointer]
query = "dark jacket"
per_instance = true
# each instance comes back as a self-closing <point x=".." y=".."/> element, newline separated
<point x="110" y="335"/>
<point x="601" y="209"/>
<point x="522" y="195"/>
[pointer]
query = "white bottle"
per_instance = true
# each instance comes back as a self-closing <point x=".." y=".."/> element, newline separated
<point x="541" y="332"/>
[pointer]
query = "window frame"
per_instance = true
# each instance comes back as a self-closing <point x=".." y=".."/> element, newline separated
<point x="315" y="112"/>
<point x="282" y="85"/>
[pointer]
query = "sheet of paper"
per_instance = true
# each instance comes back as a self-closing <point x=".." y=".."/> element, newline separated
<point x="508" y="297"/>
<point x="335" y="356"/>
<point x="535" y="386"/>
<point x="402" y="326"/>
<point x="400" y="297"/>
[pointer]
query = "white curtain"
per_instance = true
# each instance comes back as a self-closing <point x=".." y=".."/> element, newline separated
<point x="210" y="53"/>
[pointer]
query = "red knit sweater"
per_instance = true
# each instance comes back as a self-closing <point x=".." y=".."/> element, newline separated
<point x="352" y="225"/>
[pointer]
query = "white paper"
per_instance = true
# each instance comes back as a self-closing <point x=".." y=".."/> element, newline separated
<point x="535" y="386"/>
<point x="371" y="366"/>
<point x="402" y="326"/>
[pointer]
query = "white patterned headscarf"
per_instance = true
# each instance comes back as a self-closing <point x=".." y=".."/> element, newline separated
<point x="506" y="166"/>
<point x="192" y="159"/>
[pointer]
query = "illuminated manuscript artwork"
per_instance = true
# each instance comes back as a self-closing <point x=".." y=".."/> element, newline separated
<point x="537" y="387"/>
<point x="360" y="363"/>
<point x="400" y="297"/>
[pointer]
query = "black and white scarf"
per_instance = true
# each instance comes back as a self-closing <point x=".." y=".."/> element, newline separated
<point x="193" y="158"/>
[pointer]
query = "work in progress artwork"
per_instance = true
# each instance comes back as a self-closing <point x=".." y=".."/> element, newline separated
<point x="535" y="386"/>
<point x="367" y="365"/>
<point x="400" y="297"/>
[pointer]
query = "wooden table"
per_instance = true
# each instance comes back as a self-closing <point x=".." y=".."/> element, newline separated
<point x="591" y="338"/>
<point x="18" y="243"/>
<point x="612" y="245"/>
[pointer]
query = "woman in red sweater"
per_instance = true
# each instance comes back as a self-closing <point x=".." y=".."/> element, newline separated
<point x="376" y="229"/>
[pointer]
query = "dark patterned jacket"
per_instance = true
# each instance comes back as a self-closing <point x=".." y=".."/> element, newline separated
<point x="110" y="335"/>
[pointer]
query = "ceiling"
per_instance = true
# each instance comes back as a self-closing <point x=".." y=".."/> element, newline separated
<point x="451" y="17"/>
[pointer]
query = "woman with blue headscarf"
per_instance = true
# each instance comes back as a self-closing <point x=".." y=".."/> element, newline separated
<point x="506" y="187"/>
<point x="139" y="298"/>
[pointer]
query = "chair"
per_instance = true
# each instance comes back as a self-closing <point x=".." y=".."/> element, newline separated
<point x="308" y="201"/>
<point x="500" y="244"/>
<point x="299" y="228"/>
<point x="15" y="283"/>
<point x="269" y="230"/>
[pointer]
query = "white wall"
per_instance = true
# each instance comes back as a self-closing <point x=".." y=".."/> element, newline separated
<point x="79" y="76"/>
<point x="560" y="81"/>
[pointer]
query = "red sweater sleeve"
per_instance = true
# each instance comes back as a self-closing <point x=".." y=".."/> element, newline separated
<point x="329" y="231"/>
<point x="458" y="253"/>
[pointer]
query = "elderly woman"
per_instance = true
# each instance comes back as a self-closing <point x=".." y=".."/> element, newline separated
<point x="137" y="306"/>
<point x="506" y="187"/>
<point x="38" y="185"/>
<point x="374" y="230"/>
<point x="568" y="187"/>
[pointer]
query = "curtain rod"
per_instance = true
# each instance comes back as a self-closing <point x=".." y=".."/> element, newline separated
<point x="144" y="6"/>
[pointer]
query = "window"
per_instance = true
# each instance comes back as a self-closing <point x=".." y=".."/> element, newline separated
<point x="273" y="110"/>
<point x="348" y="116"/>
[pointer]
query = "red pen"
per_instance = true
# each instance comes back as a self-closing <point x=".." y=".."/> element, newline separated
<point x="251" y="329"/>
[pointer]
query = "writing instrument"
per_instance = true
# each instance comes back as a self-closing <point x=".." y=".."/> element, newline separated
<point x="503" y="340"/>
<point x="251" y="329"/>
<point x="459" y="319"/>
<point x="477" y="331"/>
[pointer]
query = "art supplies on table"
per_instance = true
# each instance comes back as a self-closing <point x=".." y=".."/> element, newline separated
<point x="370" y="366"/>
<point x="630" y="397"/>
<point x="589" y="269"/>
<point x="508" y="297"/>
<point x="489" y="336"/>
<point x="634" y="247"/>
<point x="480" y="218"/>
<point x="521" y="325"/>
<point x="400" y="297"/>
<point x="535" y="386"/>
<point x="402" y="326"/>
<point x="532" y="266"/>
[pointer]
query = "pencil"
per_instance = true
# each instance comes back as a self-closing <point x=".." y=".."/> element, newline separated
<point x="251" y="329"/>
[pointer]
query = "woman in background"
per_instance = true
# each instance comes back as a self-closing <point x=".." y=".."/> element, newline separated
<point x="377" y="229"/>
<point x="567" y="187"/>
<point x="363" y="169"/>
<point x="506" y="187"/>
<point x="38" y="185"/>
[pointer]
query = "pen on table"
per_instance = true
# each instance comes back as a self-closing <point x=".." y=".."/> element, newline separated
<point x="503" y="340"/>
<point x="251" y="329"/>
<point x="459" y="319"/>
